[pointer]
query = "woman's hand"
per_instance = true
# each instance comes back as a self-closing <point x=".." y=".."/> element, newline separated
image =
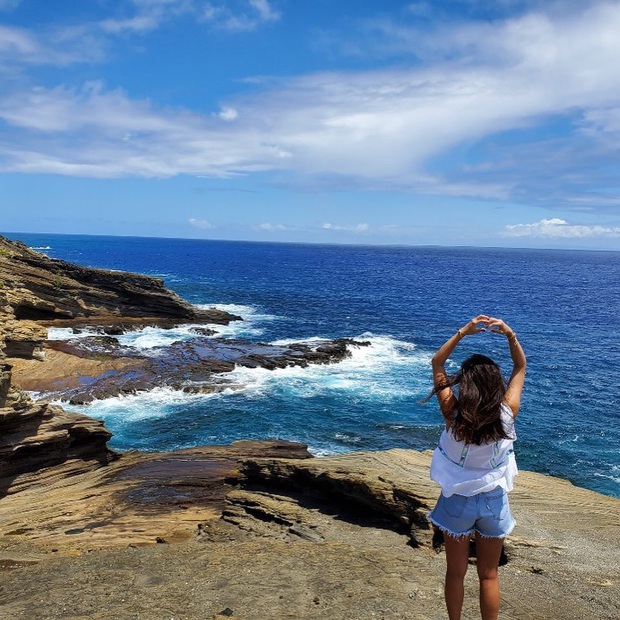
<point x="497" y="326"/>
<point x="477" y="324"/>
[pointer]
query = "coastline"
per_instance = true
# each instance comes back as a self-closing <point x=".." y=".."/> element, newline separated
<point x="291" y="293"/>
<point x="254" y="529"/>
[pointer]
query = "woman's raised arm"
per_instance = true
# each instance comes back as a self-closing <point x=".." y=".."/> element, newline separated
<point x="517" y="377"/>
<point x="444" y="393"/>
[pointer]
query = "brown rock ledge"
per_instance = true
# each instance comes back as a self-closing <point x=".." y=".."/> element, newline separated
<point x="248" y="529"/>
<point x="36" y="290"/>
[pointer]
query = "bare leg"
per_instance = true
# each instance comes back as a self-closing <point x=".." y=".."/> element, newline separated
<point x="457" y="553"/>
<point x="488" y="551"/>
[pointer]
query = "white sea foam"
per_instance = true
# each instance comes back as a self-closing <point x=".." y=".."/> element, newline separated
<point x="250" y="326"/>
<point x="348" y="438"/>
<point x="156" y="403"/>
<point x="66" y="333"/>
<point x="315" y="451"/>
<point x="611" y="477"/>
<point x="152" y="337"/>
<point x="386" y="369"/>
<point x="143" y="339"/>
<point x="148" y="338"/>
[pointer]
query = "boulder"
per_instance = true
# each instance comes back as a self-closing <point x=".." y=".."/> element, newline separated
<point x="39" y="435"/>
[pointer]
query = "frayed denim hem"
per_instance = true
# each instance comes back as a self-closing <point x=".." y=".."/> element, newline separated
<point x="445" y="530"/>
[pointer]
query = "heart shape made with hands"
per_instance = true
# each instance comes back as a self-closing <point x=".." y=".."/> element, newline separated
<point x="489" y="324"/>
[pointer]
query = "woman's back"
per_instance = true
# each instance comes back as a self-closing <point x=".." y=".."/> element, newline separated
<point x="468" y="468"/>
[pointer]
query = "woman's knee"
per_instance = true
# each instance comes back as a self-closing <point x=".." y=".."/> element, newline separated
<point x="456" y="571"/>
<point x="487" y="573"/>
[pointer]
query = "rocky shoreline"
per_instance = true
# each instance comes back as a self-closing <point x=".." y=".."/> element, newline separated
<point x="97" y="367"/>
<point x="263" y="530"/>
<point x="97" y="306"/>
<point x="255" y="530"/>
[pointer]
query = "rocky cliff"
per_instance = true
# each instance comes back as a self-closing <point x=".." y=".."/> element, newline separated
<point x="36" y="291"/>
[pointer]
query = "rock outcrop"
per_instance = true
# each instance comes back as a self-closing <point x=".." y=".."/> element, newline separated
<point x="41" y="435"/>
<point x="262" y="530"/>
<point x="34" y="436"/>
<point x="88" y="368"/>
<point x="36" y="289"/>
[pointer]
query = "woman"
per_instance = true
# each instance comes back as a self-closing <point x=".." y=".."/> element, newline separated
<point x="474" y="462"/>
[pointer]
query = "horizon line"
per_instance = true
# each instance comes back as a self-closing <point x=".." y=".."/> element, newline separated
<point x="322" y="243"/>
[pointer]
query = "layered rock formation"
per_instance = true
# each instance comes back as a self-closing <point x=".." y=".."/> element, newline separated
<point x="262" y="530"/>
<point x="34" y="436"/>
<point x="37" y="291"/>
<point x="41" y="435"/>
<point x="35" y="288"/>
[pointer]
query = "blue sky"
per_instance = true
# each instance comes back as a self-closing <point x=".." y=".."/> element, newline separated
<point x="344" y="121"/>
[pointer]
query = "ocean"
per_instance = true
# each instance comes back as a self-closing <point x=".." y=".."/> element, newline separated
<point x="405" y="301"/>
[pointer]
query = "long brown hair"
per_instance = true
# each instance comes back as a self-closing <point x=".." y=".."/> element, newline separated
<point x="476" y="417"/>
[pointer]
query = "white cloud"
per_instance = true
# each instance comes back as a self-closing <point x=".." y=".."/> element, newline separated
<point x="149" y="15"/>
<point x="59" y="46"/>
<point x="124" y="137"/>
<point x="379" y="129"/>
<point x="358" y="228"/>
<point x="86" y="41"/>
<point x="276" y="228"/>
<point x="240" y="15"/>
<point x="18" y="41"/>
<point x="268" y="227"/>
<point x="138" y="23"/>
<point x="602" y="121"/>
<point x="9" y="5"/>
<point x="228" y="114"/>
<point x="264" y="9"/>
<point x="232" y="15"/>
<point x="66" y="110"/>
<point x="558" y="228"/>
<point x="202" y="224"/>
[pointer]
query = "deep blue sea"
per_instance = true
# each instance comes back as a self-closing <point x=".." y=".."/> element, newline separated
<point x="406" y="301"/>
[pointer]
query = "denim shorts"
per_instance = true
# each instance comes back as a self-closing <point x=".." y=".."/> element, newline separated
<point x="486" y="513"/>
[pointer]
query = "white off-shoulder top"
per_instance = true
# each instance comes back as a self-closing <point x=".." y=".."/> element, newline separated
<point x="468" y="469"/>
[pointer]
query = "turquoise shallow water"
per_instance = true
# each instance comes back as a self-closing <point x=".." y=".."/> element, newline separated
<point x="405" y="301"/>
